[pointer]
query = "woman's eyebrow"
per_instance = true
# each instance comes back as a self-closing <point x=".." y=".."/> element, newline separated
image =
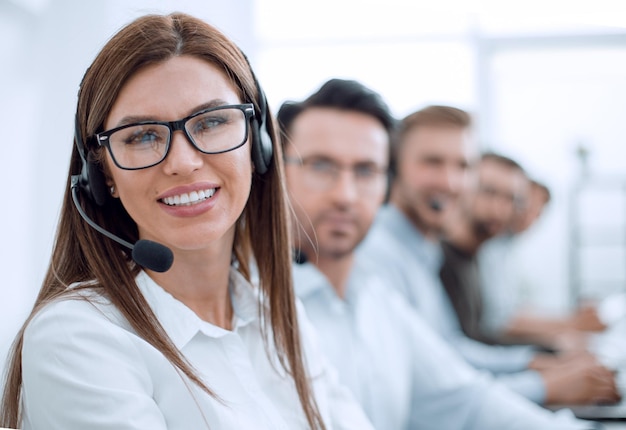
<point x="132" y="119"/>
<point x="208" y="105"/>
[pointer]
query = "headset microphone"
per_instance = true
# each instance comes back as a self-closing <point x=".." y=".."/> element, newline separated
<point x="146" y="253"/>
<point x="436" y="205"/>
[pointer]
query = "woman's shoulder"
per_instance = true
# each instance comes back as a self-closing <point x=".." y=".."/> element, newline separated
<point x="81" y="311"/>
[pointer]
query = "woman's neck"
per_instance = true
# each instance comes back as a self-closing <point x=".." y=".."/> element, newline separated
<point x="200" y="281"/>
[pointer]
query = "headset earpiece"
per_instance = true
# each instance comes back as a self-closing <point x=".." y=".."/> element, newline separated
<point x="261" y="141"/>
<point x="96" y="181"/>
<point x="262" y="147"/>
<point x="92" y="181"/>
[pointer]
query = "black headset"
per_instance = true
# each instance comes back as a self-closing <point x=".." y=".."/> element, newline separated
<point x="262" y="148"/>
<point x="92" y="181"/>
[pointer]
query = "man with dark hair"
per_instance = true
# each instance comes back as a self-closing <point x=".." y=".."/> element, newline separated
<point x="433" y="153"/>
<point x="336" y="149"/>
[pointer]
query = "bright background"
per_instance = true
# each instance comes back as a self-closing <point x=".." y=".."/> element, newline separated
<point x="544" y="79"/>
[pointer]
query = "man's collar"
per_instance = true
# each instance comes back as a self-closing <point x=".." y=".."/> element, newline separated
<point x="308" y="280"/>
<point x="399" y="225"/>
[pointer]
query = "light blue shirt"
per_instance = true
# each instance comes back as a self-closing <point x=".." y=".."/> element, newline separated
<point x="500" y="295"/>
<point x="410" y="263"/>
<point x="401" y="372"/>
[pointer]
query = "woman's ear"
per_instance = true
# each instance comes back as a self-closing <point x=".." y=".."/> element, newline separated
<point x="112" y="189"/>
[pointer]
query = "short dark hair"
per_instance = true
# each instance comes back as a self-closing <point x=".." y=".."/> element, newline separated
<point x="341" y="94"/>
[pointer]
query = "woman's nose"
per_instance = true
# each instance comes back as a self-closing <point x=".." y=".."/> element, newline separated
<point x="183" y="157"/>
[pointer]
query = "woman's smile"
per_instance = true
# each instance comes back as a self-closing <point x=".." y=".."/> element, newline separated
<point x="188" y="199"/>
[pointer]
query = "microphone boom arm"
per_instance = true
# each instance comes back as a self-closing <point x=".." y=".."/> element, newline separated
<point x="83" y="214"/>
<point x="146" y="253"/>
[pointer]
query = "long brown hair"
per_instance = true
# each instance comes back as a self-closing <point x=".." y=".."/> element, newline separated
<point x="82" y="254"/>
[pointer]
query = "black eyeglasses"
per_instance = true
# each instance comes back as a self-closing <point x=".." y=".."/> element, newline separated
<point x="145" y="144"/>
<point x="322" y="173"/>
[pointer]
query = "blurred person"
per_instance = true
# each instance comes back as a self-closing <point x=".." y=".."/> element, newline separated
<point x="509" y="285"/>
<point x="174" y="159"/>
<point x="531" y="206"/>
<point x="499" y="265"/>
<point x="336" y="148"/>
<point x="486" y="209"/>
<point x="432" y="154"/>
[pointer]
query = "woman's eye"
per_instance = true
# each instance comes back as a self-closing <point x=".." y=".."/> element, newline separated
<point x="208" y="123"/>
<point x="145" y="137"/>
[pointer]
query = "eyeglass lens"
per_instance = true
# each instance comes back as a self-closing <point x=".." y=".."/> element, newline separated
<point x="323" y="174"/>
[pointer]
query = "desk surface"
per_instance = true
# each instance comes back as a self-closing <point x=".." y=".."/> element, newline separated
<point x="614" y="426"/>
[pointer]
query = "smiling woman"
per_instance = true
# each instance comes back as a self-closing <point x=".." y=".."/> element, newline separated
<point x="192" y="344"/>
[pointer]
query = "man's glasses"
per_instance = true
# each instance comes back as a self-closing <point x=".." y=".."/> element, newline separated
<point x="147" y="143"/>
<point x="322" y="173"/>
<point x="493" y="193"/>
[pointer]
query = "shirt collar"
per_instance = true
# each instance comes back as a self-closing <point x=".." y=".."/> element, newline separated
<point x="403" y="230"/>
<point x="181" y="324"/>
<point x="308" y="280"/>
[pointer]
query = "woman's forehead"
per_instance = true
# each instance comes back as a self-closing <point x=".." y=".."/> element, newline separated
<point x="171" y="90"/>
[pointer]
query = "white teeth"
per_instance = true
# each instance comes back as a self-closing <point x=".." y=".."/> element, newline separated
<point x="187" y="199"/>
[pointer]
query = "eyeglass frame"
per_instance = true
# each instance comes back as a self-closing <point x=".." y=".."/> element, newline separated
<point x="491" y="192"/>
<point x="179" y="125"/>
<point x="299" y="161"/>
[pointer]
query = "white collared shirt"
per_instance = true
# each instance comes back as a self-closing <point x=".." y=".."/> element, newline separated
<point x="403" y="374"/>
<point x="85" y="368"/>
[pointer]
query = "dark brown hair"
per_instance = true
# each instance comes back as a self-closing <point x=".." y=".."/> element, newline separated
<point x="343" y="94"/>
<point x="82" y="254"/>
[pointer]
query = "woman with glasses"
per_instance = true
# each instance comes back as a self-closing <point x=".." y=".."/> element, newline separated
<point x="147" y="318"/>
